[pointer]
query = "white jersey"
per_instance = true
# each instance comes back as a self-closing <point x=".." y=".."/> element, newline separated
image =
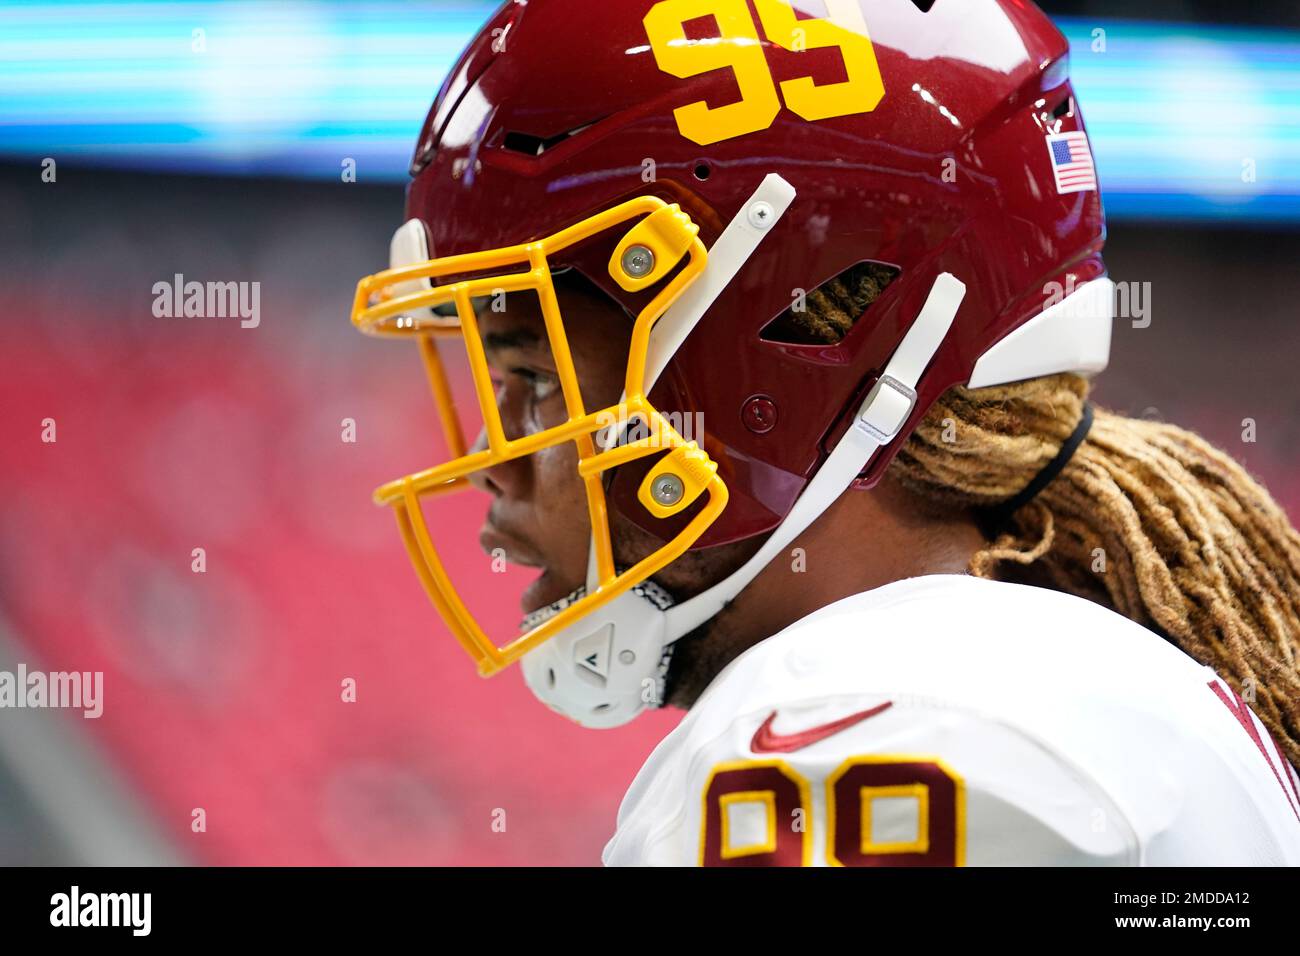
<point x="949" y="720"/>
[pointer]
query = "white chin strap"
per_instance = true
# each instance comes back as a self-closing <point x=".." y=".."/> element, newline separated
<point x="610" y="666"/>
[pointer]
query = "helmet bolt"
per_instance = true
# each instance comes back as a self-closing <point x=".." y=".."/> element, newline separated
<point x="761" y="214"/>
<point x="638" y="261"/>
<point x="626" y="657"/>
<point x="668" y="489"/>
<point x="759" y="414"/>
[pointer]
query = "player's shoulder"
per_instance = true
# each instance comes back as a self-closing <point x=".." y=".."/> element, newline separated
<point x="972" y="721"/>
<point x="957" y="642"/>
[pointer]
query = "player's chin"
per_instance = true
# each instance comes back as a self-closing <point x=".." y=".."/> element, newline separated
<point x="548" y="588"/>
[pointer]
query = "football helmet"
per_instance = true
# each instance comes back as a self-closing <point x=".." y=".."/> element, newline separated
<point x="707" y="164"/>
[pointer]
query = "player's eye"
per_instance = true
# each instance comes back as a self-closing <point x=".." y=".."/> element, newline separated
<point x="541" y="385"/>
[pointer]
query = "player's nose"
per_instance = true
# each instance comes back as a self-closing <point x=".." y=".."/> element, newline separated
<point x="505" y="479"/>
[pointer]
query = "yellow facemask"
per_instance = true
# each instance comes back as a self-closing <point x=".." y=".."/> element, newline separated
<point x="398" y="302"/>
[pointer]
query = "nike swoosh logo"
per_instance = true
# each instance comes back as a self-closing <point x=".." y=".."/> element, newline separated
<point x="766" y="741"/>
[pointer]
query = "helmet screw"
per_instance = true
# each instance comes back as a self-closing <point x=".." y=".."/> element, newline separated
<point x="626" y="657"/>
<point x="761" y="214"/>
<point x="638" y="261"/>
<point x="667" y="489"/>
<point x="759" y="414"/>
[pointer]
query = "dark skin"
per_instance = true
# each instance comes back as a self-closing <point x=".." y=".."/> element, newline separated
<point x="539" y="512"/>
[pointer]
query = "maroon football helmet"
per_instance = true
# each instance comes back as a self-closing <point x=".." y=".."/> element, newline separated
<point x="941" y="140"/>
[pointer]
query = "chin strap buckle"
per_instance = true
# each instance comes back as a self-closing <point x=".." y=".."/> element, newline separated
<point x="886" y="409"/>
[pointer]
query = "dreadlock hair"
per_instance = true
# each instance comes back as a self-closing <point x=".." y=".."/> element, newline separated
<point x="1147" y="518"/>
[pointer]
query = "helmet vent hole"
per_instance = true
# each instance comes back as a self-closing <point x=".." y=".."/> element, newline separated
<point x="550" y="677"/>
<point x="1063" y="108"/>
<point x="824" y="315"/>
<point x="530" y="145"/>
<point x="702" y="170"/>
<point x="924" y="5"/>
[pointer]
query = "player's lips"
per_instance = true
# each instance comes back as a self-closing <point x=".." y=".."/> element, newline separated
<point x="491" y="539"/>
<point x="547" y="588"/>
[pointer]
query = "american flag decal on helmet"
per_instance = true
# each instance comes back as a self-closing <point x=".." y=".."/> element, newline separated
<point x="1071" y="162"/>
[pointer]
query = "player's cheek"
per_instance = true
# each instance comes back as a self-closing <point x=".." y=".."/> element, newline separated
<point x="560" y="498"/>
<point x="631" y="544"/>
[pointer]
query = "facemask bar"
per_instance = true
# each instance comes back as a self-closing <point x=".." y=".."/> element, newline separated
<point x="386" y="305"/>
<point x="440" y="388"/>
